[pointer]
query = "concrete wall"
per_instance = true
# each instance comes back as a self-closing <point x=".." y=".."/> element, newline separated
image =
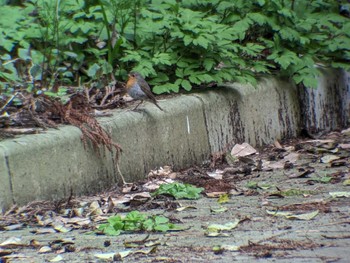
<point x="55" y="164"/>
<point x="327" y="107"/>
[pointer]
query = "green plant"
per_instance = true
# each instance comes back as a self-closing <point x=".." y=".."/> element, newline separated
<point x="135" y="221"/>
<point x="179" y="191"/>
<point x="183" y="44"/>
<point x="175" y="44"/>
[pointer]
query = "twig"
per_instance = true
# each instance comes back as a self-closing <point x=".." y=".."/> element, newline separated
<point x="336" y="223"/>
<point x="8" y="102"/>
<point x="120" y="173"/>
<point x="109" y="91"/>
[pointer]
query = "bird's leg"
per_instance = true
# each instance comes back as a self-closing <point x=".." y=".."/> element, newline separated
<point x="137" y="105"/>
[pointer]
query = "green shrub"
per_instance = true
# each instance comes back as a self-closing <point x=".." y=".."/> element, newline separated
<point x="175" y="44"/>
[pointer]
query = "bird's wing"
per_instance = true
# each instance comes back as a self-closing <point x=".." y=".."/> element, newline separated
<point x="147" y="90"/>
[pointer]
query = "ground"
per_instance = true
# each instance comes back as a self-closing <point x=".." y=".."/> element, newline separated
<point x="288" y="202"/>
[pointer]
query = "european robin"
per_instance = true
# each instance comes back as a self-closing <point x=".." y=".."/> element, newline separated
<point x="138" y="89"/>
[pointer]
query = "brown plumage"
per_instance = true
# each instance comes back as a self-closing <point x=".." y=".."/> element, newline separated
<point x="138" y="89"/>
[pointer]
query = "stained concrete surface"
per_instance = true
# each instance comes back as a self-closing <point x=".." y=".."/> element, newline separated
<point x="324" y="238"/>
<point x="54" y="164"/>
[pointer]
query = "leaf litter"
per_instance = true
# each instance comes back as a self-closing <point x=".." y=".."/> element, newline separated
<point x="301" y="180"/>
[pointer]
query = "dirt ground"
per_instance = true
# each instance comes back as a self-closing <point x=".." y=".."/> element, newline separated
<point x="289" y="202"/>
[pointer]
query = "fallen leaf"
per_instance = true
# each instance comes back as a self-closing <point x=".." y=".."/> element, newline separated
<point x="230" y="247"/>
<point x="108" y="256"/>
<point x="161" y="172"/>
<point x="12" y="241"/>
<point x="124" y="254"/>
<point x="78" y="211"/>
<point x="346" y="182"/>
<point x="56" y="259"/>
<point x="217" y="210"/>
<point x="182" y="208"/>
<point x="223" y="198"/>
<point x="223" y="227"/>
<point x="215" y="194"/>
<point x="303" y="173"/>
<point x="339" y="194"/>
<point x="217" y="174"/>
<point x="243" y="149"/>
<point x="14" y="227"/>
<point x="18" y="256"/>
<point x="305" y="216"/>
<point x="45" y="230"/>
<point x="45" y="249"/>
<point x="344" y="146"/>
<point x="291" y="158"/>
<point x="338" y="163"/>
<point x="35" y="243"/>
<point x="58" y="226"/>
<point x="246" y="160"/>
<point x="217" y="234"/>
<point x="147" y="251"/>
<point x="277" y="145"/>
<point x="5" y="252"/>
<point x="289" y="215"/>
<point x="95" y="209"/>
<point x="329" y="158"/>
<point x="319" y="141"/>
<point x="80" y="221"/>
<point x="346" y="131"/>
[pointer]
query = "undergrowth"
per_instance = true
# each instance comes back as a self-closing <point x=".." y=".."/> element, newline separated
<point x="175" y="44"/>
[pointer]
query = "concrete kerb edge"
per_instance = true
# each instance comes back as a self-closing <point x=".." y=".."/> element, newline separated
<point x="6" y="189"/>
<point x="216" y="117"/>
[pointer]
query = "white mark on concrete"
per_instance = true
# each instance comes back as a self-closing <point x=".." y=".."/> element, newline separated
<point x="188" y="125"/>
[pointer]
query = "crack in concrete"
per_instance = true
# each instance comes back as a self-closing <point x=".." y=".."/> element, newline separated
<point x="205" y="119"/>
<point x="10" y="177"/>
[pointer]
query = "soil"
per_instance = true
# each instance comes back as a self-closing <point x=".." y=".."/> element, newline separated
<point x="308" y="178"/>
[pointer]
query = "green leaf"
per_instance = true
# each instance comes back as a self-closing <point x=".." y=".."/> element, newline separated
<point x="286" y="58"/>
<point x="342" y="65"/>
<point x="93" y="70"/>
<point x="286" y="12"/>
<point x="179" y="190"/>
<point x="258" y="18"/>
<point x="307" y="80"/>
<point x="35" y="71"/>
<point x="193" y="79"/>
<point x="24" y="54"/>
<point x="186" y="85"/>
<point x="162" y="58"/>
<point x="70" y="54"/>
<point x="261" y="2"/>
<point x="135" y="221"/>
<point x="201" y="41"/>
<point x="158" y="89"/>
<point x="209" y="63"/>
<point x="187" y="40"/>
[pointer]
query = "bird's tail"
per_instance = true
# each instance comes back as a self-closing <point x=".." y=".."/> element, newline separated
<point x="155" y="103"/>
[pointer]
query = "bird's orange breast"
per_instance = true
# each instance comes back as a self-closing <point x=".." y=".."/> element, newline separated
<point x="131" y="82"/>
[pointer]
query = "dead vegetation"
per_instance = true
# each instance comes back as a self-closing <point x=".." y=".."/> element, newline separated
<point x="37" y="113"/>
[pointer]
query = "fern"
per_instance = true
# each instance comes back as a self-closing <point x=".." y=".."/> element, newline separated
<point x="175" y="44"/>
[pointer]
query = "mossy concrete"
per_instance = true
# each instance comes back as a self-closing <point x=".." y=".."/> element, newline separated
<point x="54" y="164"/>
<point x="327" y="107"/>
<point x="5" y="182"/>
<point x="259" y="115"/>
<point x="151" y="138"/>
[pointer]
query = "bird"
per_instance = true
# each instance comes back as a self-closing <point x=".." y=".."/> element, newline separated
<point x="138" y="88"/>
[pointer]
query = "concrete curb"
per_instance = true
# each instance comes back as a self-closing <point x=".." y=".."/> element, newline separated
<point x="55" y="164"/>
